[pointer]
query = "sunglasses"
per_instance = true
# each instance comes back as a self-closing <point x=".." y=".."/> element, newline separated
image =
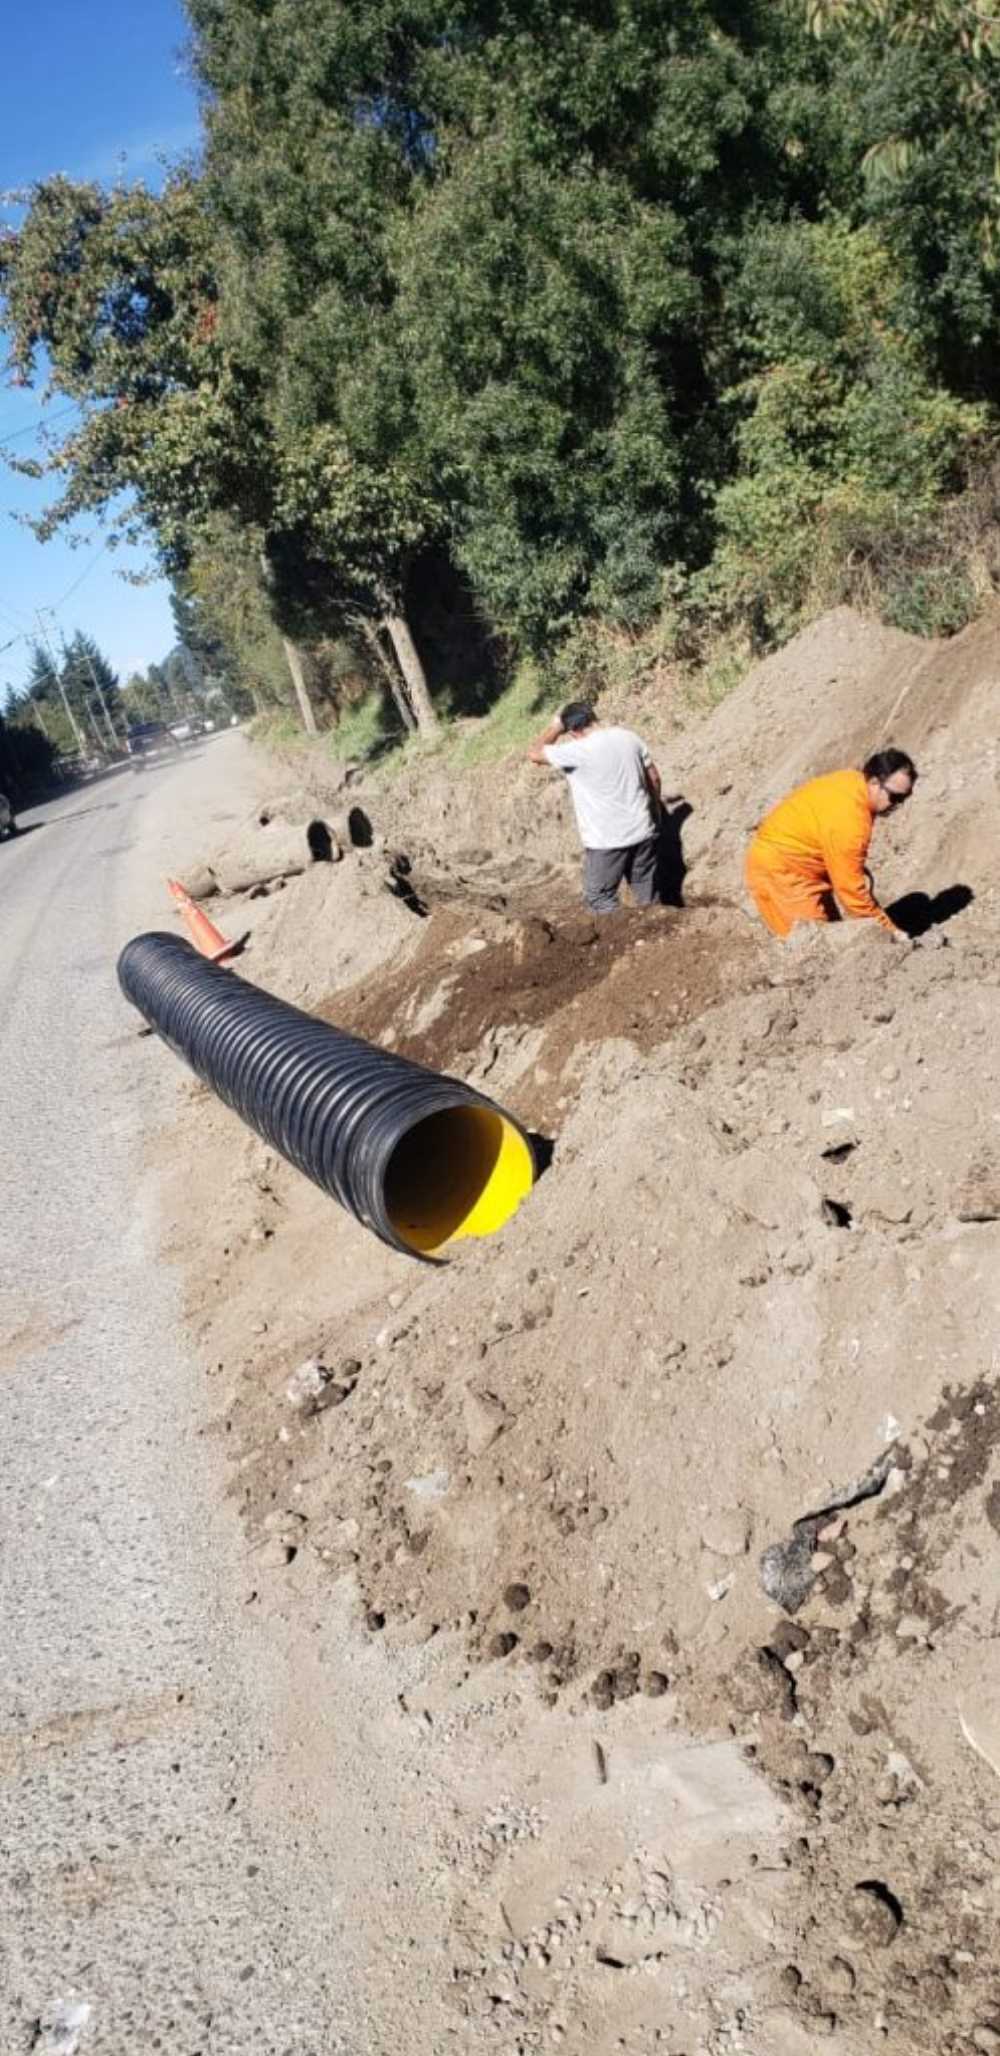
<point x="896" y="799"/>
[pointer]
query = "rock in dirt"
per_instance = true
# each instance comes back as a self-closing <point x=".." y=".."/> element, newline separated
<point x="434" y="1485"/>
<point x="762" y="1683"/>
<point x="484" y="1418"/>
<point x="312" y="1387"/>
<point x="200" y="882"/>
<point x="978" y="1198"/>
<point x="58" y="2030"/>
<point x="874" y="1913"/>
<point x="786" y="1568"/>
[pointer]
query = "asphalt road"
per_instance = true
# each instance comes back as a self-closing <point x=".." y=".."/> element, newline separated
<point x="167" y="1877"/>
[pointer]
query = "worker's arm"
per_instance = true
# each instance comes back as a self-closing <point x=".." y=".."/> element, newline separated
<point x="536" y="754"/>
<point x="845" y="861"/>
<point x="655" y="784"/>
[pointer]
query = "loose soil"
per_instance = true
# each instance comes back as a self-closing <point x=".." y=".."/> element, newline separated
<point x="664" y="1812"/>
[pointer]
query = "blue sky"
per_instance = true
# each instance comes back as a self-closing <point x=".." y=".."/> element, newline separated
<point x="91" y="90"/>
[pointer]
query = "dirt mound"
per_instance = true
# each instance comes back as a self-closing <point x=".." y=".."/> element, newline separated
<point x="551" y="990"/>
<point x="759" y="1275"/>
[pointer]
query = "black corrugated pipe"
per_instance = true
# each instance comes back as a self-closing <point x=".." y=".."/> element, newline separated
<point x="419" y="1158"/>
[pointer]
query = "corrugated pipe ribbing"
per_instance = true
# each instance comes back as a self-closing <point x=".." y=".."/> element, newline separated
<point x="419" y="1158"/>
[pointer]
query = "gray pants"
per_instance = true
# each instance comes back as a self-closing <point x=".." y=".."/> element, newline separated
<point x="603" y="871"/>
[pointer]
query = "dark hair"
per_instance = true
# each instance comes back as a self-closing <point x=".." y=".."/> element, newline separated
<point x="575" y="715"/>
<point x="885" y="762"/>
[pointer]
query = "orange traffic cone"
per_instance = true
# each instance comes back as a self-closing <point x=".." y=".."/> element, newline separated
<point x="204" y="934"/>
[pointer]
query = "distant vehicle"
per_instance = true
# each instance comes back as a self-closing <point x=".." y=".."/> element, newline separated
<point x="147" y="739"/>
<point x="78" y="766"/>
<point x="182" y="731"/>
<point x="8" y="825"/>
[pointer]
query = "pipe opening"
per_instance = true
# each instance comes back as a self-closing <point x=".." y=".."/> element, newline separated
<point x="458" y="1173"/>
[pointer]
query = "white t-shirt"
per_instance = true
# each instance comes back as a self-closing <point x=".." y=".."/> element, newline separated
<point x="607" y="786"/>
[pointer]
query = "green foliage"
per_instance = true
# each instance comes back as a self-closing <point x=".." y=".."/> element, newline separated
<point x="665" y="324"/>
<point x="27" y="756"/>
<point x="937" y="601"/>
<point x="84" y="681"/>
<point x="842" y="436"/>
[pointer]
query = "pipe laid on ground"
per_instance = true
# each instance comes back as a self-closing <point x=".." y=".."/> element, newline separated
<point x="419" y="1158"/>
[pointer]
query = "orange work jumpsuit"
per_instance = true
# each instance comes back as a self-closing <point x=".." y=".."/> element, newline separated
<point x="810" y="848"/>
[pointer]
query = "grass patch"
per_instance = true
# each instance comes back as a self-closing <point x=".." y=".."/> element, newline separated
<point x="367" y="730"/>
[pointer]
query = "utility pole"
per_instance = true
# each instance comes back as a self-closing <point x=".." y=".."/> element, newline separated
<point x="57" y="675"/>
<point x="89" y="661"/>
<point x="98" y="688"/>
<point x="88" y="709"/>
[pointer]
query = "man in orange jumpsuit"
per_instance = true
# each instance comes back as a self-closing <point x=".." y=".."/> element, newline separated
<point x="807" y="859"/>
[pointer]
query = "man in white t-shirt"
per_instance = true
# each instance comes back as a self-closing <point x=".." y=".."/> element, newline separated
<point x="615" y="789"/>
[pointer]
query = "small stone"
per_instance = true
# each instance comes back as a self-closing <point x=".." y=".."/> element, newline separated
<point x="277" y="1553"/>
<point x="657" y="1683"/>
<point x="624" y="1682"/>
<point x="794" y="1660"/>
<point x="433" y="1486"/>
<point x="503" y="1645"/>
<point x="720" y="1587"/>
<point x="484" y="1419"/>
<point x="875" y="1913"/>
<point x="788" y="1635"/>
<point x="374" y="1620"/>
<point x="910" y="1628"/>
<point x="841" y="1978"/>
<point x="602" y="1691"/>
<point x="821" y="1560"/>
<point x="979" y="1197"/>
<point x="726" y="1532"/>
<point x="986" y="2038"/>
<point x="790" y="1979"/>
<point x="312" y="1387"/>
<point x="517" y="1597"/>
<point x="832" y="1532"/>
<point x="542" y="1652"/>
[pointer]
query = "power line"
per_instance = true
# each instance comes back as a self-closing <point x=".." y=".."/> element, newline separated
<point x="33" y="426"/>
<point x="77" y="582"/>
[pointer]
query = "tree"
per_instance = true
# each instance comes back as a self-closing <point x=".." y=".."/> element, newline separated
<point x="27" y="757"/>
<point x="118" y="291"/>
<point x="90" y="681"/>
<point x="916" y="85"/>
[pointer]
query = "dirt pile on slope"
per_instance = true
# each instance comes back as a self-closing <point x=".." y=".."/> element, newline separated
<point x="759" y="1275"/>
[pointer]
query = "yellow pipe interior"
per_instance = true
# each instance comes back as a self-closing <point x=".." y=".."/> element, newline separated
<point x="458" y="1173"/>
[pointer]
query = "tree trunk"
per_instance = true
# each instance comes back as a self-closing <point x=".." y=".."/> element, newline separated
<point x="392" y="677"/>
<point x="397" y="628"/>
<point x="297" y="668"/>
